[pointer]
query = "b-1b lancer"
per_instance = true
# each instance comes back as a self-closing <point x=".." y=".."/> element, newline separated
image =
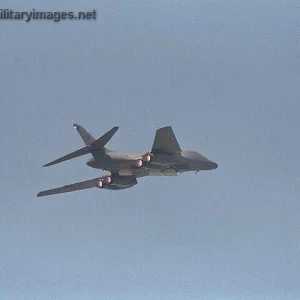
<point x="165" y="159"/>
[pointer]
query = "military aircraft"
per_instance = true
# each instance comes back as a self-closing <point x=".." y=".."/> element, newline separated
<point x="165" y="159"/>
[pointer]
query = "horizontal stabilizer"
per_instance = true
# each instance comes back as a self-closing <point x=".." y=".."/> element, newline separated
<point x="87" y="184"/>
<point x="103" y="140"/>
<point x="90" y="141"/>
<point x="80" y="152"/>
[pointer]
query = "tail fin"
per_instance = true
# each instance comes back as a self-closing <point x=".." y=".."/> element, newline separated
<point x="165" y="141"/>
<point x="104" y="139"/>
<point x="90" y="141"/>
<point x="85" y="135"/>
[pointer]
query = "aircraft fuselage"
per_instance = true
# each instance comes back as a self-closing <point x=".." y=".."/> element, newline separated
<point x="165" y="159"/>
<point x="186" y="160"/>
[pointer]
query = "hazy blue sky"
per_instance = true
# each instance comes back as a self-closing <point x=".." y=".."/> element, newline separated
<point x="226" y="76"/>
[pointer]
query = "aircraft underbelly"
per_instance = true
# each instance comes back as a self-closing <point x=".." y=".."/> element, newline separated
<point x="121" y="182"/>
<point x="111" y="164"/>
<point x="141" y="172"/>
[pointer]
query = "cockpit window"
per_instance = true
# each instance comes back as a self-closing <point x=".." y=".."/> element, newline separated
<point x="193" y="155"/>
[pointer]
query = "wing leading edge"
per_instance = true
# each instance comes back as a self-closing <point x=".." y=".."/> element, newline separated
<point x="87" y="184"/>
<point x="110" y="182"/>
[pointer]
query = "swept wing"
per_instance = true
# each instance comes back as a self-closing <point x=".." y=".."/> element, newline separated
<point x="87" y="184"/>
<point x="87" y="138"/>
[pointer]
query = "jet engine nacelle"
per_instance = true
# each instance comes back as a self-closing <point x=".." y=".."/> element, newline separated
<point x="107" y="179"/>
<point x="138" y="163"/>
<point x="121" y="182"/>
<point x="146" y="157"/>
<point x="99" y="184"/>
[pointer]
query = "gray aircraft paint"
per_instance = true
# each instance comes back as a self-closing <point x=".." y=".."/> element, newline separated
<point x="165" y="159"/>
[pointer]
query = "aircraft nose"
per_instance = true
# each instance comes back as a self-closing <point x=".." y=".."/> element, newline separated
<point x="213" y="165"/>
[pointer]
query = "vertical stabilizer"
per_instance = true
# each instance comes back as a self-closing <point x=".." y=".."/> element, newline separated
<point x="165" y="141"/>
<point x="85" y="135"/>
<point x="91" y="144"/>
<point x="89" y="140"/>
